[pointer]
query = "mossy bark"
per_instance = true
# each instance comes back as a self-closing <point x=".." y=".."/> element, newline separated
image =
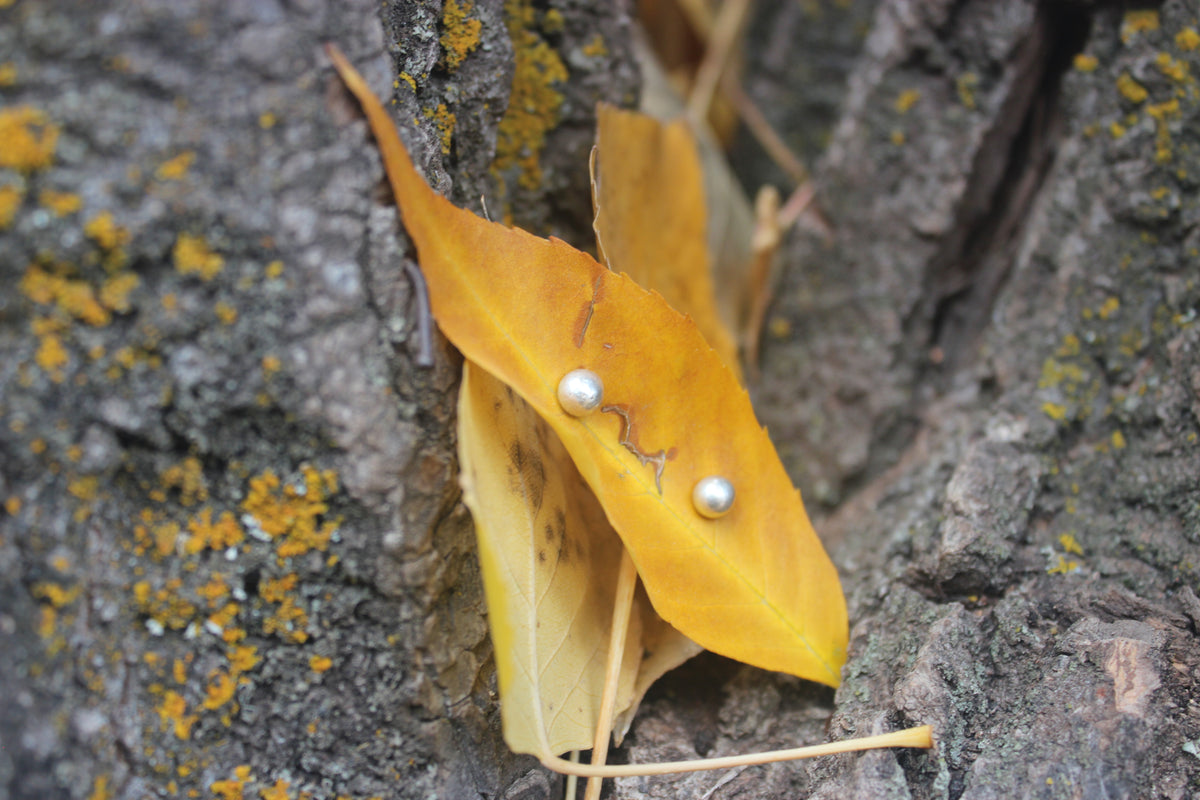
<point x="232" y="556"/>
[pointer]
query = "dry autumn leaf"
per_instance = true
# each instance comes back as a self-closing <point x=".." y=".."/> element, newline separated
<point x="550" y="562"/>
<point x="754" y="585"/>
<point x="651" y="215"/>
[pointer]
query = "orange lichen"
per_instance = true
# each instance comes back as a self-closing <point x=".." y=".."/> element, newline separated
<point x="61" y="203"/>
<point x="271" y="365"/>
<point x="320" y="663"/>
<point x="596" y="48"/>
<point x="173" y="711"/>
<point x="232" y="789"/>
<point x="220" y="689"/>
<point x="1136" y="22"/>
<point x="12" y="505"/>
<point x="534" y="104"/>
<point x="100" y="789"/>
<point x="276" y="792"/>
<point x="460" y="33"/>
<point x="105" y="232"/>
<point x="55" y="595"/>
<point x="10" y="201"/>
<point x="164" y="605"/>
<point x="445" y="121"/>
<point x="176" y="168"/>
<point x="114" y="292"/>
<point x="72" y="295"/>
<point x="1162" y="114"/>
<point x="906" y="100"/>
<point x="179" y="671"/>
<point x="222" y="534"/>
<point x="289" y="619"/>
<point x="293" y="513"/>
<point x="1130" y="89"/>
<point x="1173" y="68"/>
<point x="27" y="139"/>
<point x="193" y="256"/>
<point x="214" y="590"/>
<point x="188" y="477"/>
<point x="1187" y="39"/>
<point x="226" y="313"/>
<point x="242" y="658"/>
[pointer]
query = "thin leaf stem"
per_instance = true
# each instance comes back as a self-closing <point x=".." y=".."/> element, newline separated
<point x="627" y="577"/>
<point x="911" y="737"/>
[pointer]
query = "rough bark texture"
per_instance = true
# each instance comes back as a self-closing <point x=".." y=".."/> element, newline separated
<point x="986" y="386"/>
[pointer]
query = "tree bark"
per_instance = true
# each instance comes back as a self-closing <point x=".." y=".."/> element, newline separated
<point x="232" y="556"/>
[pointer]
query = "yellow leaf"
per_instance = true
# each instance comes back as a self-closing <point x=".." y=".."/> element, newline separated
<point x="754" y="585"/>
<point x="651" y="215"/>
<point x="550" y="561"/>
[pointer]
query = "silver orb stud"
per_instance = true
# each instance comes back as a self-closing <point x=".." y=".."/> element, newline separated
<point x="580" y="392"/>
<point x="713" y="496"/>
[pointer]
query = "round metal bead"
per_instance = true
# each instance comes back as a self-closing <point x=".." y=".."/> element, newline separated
<point x="580" y="392"/>
<point x="713" y="496"/>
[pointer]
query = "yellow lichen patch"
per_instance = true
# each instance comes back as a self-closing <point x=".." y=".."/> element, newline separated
<point x="214" y="590"/>
<point x="222" y="618"/>
<point x="276" y="792"/>
<point x="179" y="671"/>
<point x="320" y="663"/>
<point x="114" y="292"/>
<point x="271" y="365"/>
<point x="534" y="104"/>
<point x="219" y="691"/>
<point x="55" y="595"/>
<point x="445" y="121"/>
<point x="595" y="48"/>
<point x="226" y="313"/>
<point x="173" y="711"/>
<point x="193" y="256"/>
<point x="188" y="477"/>
<point x="100" y="789"/>
<point x="966" y="85"/>
<point x="1055" y="411"/>
<point x="1117" y="130"/>
<point x="27" y="139"/>
<point x="1187" y="39"/>
<point x="897" y="137"/>
<point x="71" y="295"/>
<point x="105" y="232"/>
<point x="242" y="658"/>
<point x="267" y="120"/>
<point x="1173" y="68"/>
<point x="232" y="789"/>
<point x="1062" y="567"/>
<point x="1162" y="114"/>
<point x="289" y="620"/>
<point x="906" y="100"/>
<point x="460" y="33"/>
<point x="1070" y="544"/>
<point x="1108" y="308"/>
<point x="293" y="513"/>
<point x="175" y="168"/>
<point x="61" y="203"/>
<point x="1085" y="63"/>
<point x="1136" y="22"/>
<point x="10" y="201"/>
<point x="1130" y="89"/>
<point x="12" y="505"/>
<point x="164" y="606"/>
<point x="1118" y="440"/>
<point x="274" y="269"/>
<point x="221" y="534"/>
<point x="8" y="74"/>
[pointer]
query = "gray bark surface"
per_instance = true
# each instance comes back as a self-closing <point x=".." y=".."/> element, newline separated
<point x="985" y="384"/>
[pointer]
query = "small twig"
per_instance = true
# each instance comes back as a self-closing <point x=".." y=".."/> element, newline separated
<point x="725" y="31"/>
<point x="921" y="737"/>
<point x="424" y="315"/>
<point x="572" y="780"/>
<point x="760" y="128"/>
<point x="627" y="578"/>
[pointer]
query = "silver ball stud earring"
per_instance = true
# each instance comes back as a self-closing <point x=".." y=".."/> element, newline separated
<point x="713" y="496"/>
<point x="580" y="392"/>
